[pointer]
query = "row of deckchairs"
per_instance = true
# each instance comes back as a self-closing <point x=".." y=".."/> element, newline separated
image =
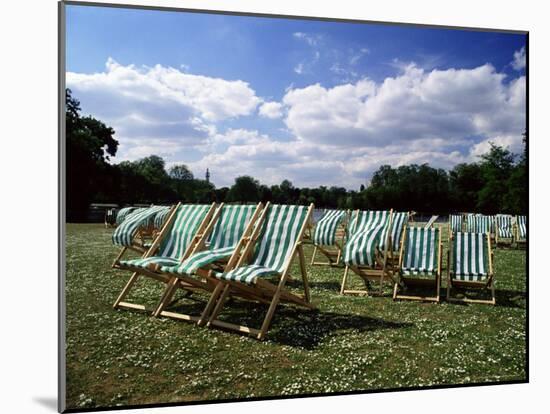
<point x="237" y="251"/>
<point x="374" y="238"/>
<point x="504" y="229"/>
<point x="469" y="258"/>
<point x="138" y="228"/>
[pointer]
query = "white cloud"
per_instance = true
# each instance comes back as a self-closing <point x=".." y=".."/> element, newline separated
<point x="150" y="104"/>
<point x="309" y="38"/>
<point x="271" y="110"/>
<point x="451" y="105"/>
<point x="299" y="68"/>
<point x="519" y="61"/>
<point x="335" y="136"/>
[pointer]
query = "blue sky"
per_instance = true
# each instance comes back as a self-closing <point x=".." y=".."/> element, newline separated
<point x="319" y="103"/>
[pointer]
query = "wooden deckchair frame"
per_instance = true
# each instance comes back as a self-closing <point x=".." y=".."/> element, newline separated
<point x="262" y="291"/>
<point x="339" y="242"/>
<point x="381" y="274"/>
<point x="119" y="302"/>
<point x="203" y="282"/>
<point x="489" y="283"/>
<point x="411" y="281"/>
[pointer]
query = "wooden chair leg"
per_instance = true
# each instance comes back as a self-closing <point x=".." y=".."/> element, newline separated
<point x="167" y="296"/>
<point x="395" y="290"/>
<point x="211" y="302"/>
<point x="304" y="273"/>
<point x="126" y="289"/>
<point x="339" y="256"/>
<point x="270" y="313"/>
<point x="313" y="255"/>
<point x="344" y="279"/>
<point x="219" y="305"/>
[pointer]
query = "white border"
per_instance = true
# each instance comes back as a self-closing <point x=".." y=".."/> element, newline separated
<point x="28" y="31"/>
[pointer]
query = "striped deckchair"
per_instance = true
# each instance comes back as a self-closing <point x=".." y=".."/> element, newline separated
<point x="367" y="248"/>
<point x="131" y="233"/>
<point x="431" y="222"/>
<point x="419" y="262"/>
<point x="123" y="213"/>
<point x="455" y="224"/>
<point x="398" y="223"/>
<point x="479" y="223"/>
<point x="329" y="236"/>
<point x="160" y="218"/>
<point x="229" y="224"/>
<point x="269" y="252"/>
<point x="521" y="230"/>
<point x="177" y="238"/>
<point x="504" y="230"/>
<point x="470" y="265"/>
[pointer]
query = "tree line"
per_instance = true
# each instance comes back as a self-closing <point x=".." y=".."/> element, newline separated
<point x="497" y="183"/>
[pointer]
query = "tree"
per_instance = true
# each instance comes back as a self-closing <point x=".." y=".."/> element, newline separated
<point x="89" y="145"/>
<point x="465" y="182"/>
<point x="182" y="182"/>
<point x="180" y="172"/>
<point x="496" y="168"/>
<point x="245" y="189"/>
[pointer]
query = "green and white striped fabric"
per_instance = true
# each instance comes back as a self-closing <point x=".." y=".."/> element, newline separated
<point x="503" y="224"/>
<point x="470" y="256"/>
<point x="279" y="233"/>
<point x="367" y="219"/>
<point x="187" y="221"/>
<point x="478" y="223"/>
<point x="360" y="248"/>
<point x="521" y="222"/>
<point x="161" y="217"/>
<point x="225" y="235"/>
<point x="399" y="221"/>
<point x="325" y="229"/>
<point x="420" y="251"/>
<point x="123" y="213"/>
<point x="125" y="232"/>
<point x="455" y="221"/>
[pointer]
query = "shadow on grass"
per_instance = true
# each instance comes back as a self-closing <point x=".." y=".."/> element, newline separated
<point x="504" y="298"/>
<point x="332" y="286"/>
<point x="292" y="326"/>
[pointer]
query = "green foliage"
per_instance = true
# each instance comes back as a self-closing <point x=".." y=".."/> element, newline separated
<point x="245" y="189"/>
<point x="89" y="144"/>
<point x="411" y="187"/>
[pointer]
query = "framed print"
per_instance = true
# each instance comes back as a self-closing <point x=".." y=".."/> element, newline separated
<point x="264" y="206"/>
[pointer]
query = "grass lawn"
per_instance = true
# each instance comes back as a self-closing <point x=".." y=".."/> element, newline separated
<point x="350" y="344"/>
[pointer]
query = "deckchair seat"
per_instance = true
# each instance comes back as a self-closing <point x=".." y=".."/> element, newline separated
<point x="247" y="274"/>
<point x="153" y="263"/>
<point x="199" y="260"/>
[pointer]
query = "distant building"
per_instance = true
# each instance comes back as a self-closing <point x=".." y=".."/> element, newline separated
<point x="207" y="176"/>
